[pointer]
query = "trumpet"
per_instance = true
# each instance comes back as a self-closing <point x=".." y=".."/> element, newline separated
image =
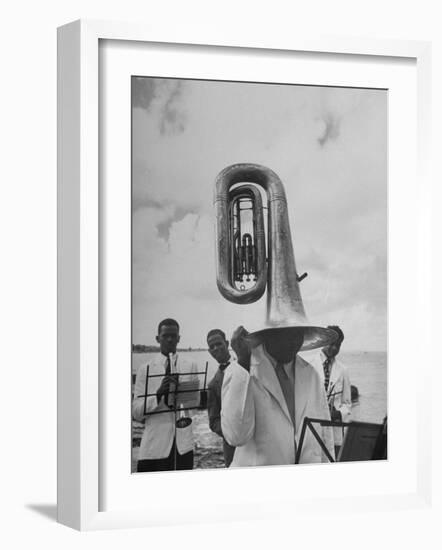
<point x="248" y="262"/>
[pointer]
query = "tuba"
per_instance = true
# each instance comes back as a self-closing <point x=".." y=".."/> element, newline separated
<point x="246" y="264"/>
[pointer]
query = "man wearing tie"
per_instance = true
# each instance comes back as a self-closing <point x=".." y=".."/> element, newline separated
<point x="219" y="350"/>
<point x="163" y="445"/>
<point x="336" y="384"/>
<point x="266" y="395"/>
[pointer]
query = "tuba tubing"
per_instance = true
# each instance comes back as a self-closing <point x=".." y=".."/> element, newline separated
<point x="278" y="271"/>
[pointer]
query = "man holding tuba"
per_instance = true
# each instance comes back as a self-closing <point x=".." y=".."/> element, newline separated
<point x="266" y="395"/>
<point x="269" y="390"/>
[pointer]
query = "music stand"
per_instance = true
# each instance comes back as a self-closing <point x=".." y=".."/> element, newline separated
<point x="202" y="391"/>
<point x="362" y="441"/>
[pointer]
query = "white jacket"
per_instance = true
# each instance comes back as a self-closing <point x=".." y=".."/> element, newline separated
<point x="255" y="418"/>
<point x="339" y="389"/>
<point x="159" y="430"/>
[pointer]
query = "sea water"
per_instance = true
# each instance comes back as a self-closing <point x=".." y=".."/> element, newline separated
<point x="367" y="371"/>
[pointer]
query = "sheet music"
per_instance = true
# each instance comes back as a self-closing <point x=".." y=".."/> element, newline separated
<point x="188" y="394"/>
<point x="187" y="391"/>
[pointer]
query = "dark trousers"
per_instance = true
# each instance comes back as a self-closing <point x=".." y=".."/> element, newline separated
<point x="181" y="462"/>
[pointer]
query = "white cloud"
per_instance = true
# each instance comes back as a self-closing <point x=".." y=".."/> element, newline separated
<point x="329" y="147"/>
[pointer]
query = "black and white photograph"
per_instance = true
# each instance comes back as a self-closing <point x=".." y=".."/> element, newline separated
<point x="221" y="275"/>
<point x="259" y="274"/>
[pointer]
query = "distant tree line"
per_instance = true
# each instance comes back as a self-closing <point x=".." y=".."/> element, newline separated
<point x="142" y="348"/>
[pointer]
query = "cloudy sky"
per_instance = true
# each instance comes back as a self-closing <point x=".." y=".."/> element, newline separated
<point x="328" y="146"/>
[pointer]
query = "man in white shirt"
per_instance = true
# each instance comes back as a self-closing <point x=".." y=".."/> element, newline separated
<point x="266" y="395"/>
<point x="164" y="446"/>
<point x="337" y="385"/>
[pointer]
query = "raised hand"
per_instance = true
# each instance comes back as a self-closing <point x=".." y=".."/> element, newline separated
<point x="241" y="347"/>
<point x="168" y="380"/>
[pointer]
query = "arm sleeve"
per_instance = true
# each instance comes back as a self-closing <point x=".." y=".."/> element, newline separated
<point x="345" y="406"/>
<point x="214" y="407"/>
<point x="139" y="392"/>
<point x="326" y="431"/>
<point x="238" y="408"/>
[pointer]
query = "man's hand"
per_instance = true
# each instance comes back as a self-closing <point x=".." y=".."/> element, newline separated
<point x="241" y="347"/>
<point x="165" y="385"/>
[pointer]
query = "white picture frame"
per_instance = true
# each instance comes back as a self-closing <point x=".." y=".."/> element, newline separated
<point x="79" y="275"/>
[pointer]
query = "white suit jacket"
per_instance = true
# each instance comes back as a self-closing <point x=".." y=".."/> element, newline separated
<point x="159" y="430"/>
<point x="255" y="418"/>
<point x="339" y="390"/>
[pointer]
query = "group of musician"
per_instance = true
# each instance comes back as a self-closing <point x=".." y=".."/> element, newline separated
<point x="257" y="400"/>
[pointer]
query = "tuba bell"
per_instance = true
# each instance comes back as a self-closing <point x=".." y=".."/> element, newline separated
<point x="244" y="268"/>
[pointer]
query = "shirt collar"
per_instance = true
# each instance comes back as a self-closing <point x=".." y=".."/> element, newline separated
<point x="162" y="359"/>
<point x="223" y="366"/>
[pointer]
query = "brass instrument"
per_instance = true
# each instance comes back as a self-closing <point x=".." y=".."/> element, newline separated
<point x="243" y="267"/>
